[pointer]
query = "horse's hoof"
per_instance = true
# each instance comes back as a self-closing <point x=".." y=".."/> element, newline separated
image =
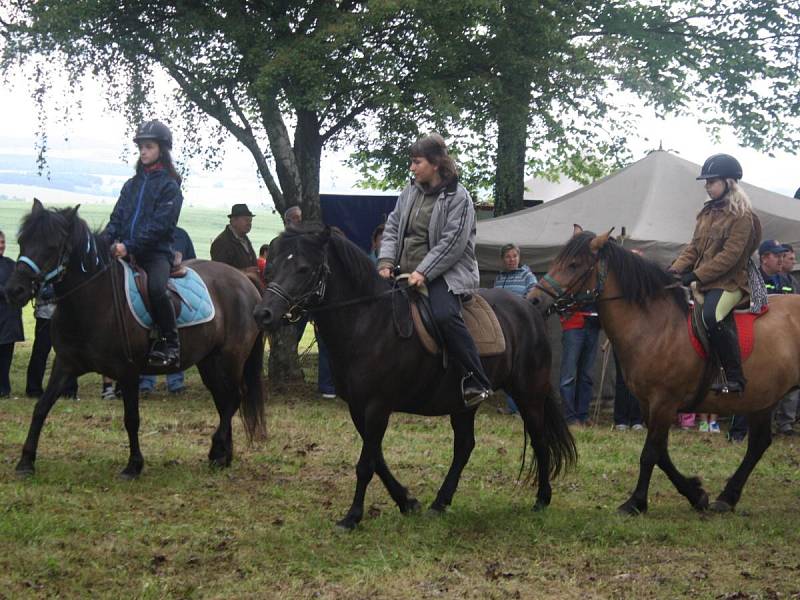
<point x="218" y="463"/>
<point x="127" y="475"/>
<point x="412" y="506"/>
<point x="540" y="505"/>
<point x="702" y="503"/>
<point x="346" y="525"/>
<point x="720" y="506"/>
<point x="24" y="472"/>
<point x="629" y="509"/>
<point x="435" y="511"/>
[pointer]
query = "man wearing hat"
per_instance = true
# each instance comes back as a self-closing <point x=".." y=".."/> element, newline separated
<point x="232" y="246"/>
<point x="770" y="253"/>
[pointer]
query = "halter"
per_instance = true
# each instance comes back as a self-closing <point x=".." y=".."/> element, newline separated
<point x="58" y="272"/>
<point x="564" y="300"/>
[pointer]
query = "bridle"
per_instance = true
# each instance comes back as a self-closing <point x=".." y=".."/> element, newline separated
<point x="565" y="301"/>
<point x="312" y="294"/>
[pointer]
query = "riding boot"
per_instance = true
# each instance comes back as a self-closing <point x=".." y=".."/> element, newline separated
<point x="725" y="344"/>
<point x="166" y="351"/>
<point x="473" y="392"/>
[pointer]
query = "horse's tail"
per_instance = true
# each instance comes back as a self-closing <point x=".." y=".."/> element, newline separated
<point x="556" y="439"/>
<point x="254" y="392"/>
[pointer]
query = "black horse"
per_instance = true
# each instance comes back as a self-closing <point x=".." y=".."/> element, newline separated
<point x="93" y="331"/>
<point x="379" y="366"/>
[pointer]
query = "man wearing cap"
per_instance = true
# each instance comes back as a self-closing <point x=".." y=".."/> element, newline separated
<point x="770" y="252"/>
<point x="232" y="246"/>
<point x="786" y="411"/>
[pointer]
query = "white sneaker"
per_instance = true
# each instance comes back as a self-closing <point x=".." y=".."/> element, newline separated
<point x="620" y="427"/>
<point x="329" y="396"/>
<point x="638" y="427"/>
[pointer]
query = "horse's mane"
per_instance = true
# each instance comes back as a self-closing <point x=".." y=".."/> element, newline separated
<point x="356" y="262"/>
<point x="89" y="248"/>
<point x="639" y="279"/>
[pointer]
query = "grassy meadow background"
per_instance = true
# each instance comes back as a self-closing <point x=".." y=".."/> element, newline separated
<point x="264" y="527"/>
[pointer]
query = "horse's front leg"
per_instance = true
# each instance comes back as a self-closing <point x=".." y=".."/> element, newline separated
<point x="58" y="379"/>
<point x="130" y="398"/>
<point x="375" y="421"/>
<point x="655" y="448"/>
<point x="463" y="424"/>
<point x="758" y="440"/>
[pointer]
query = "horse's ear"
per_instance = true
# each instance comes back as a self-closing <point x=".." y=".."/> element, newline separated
<point x="576" y="229"/>
<point x="600" y="241"/>
<point x="72" y="213"/>
<point x="37" y="206"/>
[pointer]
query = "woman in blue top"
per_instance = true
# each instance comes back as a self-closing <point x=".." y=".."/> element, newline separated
<point x="517" y="280"/>
<point x="143" y="225"/>
<point x="514" y="278"/>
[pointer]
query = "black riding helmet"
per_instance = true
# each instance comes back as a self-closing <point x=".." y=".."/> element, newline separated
<point x="154" y="130"/>
<point x="721" y="166"/>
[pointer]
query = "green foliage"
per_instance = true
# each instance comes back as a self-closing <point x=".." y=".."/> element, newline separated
<point x="544" y="84"/>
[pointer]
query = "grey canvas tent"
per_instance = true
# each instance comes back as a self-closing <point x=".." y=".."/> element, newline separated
<point x="656" y="199"/>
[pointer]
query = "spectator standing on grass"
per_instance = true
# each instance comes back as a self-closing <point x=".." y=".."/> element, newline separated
<point x="10" y="322"/>
<point x="786" y="410"/>
<point x="232" y="246"/>
<point x="519" y="280"/>
<point x="184" y="250"/>
<point x="261" y="261"/>
<point x="43" y="309"/>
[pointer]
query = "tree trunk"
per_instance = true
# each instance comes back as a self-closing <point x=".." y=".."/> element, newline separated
<point x="283" y="363"/>
<point x="512" y="135"/>
<point x="308" y="156"/>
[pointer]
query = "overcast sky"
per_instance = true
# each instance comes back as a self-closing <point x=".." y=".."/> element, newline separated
<point x="98" y="135"/>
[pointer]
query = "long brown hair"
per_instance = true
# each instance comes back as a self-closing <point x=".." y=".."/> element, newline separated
<point x="433" y="149"/>
<point x="165" y="158"/>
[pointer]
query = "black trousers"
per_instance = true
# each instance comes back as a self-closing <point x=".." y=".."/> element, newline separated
<point x="6" y="354"/>
<point x="158" y="267"/>
<point x="446" y="309"/>
<point x="42" y="344"/>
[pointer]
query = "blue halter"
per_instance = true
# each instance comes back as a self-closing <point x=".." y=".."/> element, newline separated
<point x="47" y="277"/>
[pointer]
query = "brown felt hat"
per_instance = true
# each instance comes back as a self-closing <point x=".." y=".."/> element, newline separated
<point x="240" y="210"/>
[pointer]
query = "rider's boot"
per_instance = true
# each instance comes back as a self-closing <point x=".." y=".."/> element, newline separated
<point x="166" y="351"/>
<point x="725" y="343"/>
<point x="473" y="392"/>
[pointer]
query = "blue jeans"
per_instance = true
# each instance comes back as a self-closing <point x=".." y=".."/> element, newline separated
<point x="579" y="348"/>
<point x="147" y="383"/>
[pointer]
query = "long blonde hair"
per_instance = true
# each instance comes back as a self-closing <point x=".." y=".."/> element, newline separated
<point x="738" y="200"/>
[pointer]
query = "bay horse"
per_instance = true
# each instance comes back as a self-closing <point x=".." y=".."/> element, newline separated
<point x="93" y="331"/>
<point x="644" y="314"/>
<point x="380" y="366"/>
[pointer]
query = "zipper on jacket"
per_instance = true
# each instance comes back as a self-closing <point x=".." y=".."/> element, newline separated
<point x="138" y="205"/>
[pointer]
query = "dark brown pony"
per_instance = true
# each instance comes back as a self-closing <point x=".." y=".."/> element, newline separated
<point x="644" y="315"/>
<point x="94" y="331"/>
<point x="380" y="366"/>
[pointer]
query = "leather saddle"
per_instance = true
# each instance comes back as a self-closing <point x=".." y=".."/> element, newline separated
<point x="176" y="272"/>
<point x="479" y="317"/>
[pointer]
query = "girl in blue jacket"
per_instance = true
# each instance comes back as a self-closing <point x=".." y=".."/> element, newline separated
<point x="143" y="225"/>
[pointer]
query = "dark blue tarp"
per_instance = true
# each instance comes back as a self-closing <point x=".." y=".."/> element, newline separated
<point x="356" y="216"/>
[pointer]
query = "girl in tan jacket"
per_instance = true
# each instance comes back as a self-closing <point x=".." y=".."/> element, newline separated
<point x="726" y="234"/>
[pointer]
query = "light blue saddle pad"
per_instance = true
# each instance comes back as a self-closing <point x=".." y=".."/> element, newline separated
<point x="196" y="308"/>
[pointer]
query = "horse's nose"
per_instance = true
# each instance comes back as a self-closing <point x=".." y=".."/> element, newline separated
<point x="263" y="316"/>
<point x="16" y="294"/>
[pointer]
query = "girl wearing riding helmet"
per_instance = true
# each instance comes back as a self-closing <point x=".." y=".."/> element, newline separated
<point x="431" y="234"/>
<point x="726" y="234"/>
<point x="143" y="223"/>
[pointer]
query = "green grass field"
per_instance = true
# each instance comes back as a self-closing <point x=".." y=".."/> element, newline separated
<point x="264" y="528"/>
<point x="202" y="224"/>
